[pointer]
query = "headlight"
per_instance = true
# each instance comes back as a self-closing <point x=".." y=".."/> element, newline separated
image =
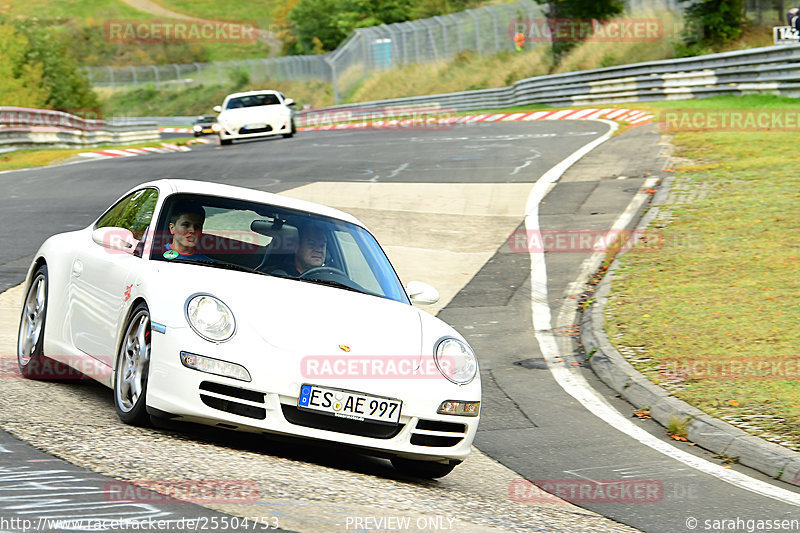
<point x="455" y="360"/>
<point x="216" y="127"/>
<point x="210" y="318"/>
<point x="197" y="127"/>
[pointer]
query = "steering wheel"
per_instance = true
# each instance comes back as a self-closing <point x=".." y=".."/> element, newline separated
<point x="314" y="270"/>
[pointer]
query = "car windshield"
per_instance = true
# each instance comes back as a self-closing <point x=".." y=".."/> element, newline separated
<point x="253" y="100"/>
<point x="270" y="240"/>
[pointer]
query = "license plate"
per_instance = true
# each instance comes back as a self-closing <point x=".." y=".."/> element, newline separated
<point x="255" y="126"/>
<point x="350" y="405"/>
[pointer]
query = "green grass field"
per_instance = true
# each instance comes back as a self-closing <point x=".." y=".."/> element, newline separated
<point x="713" y="314"/>
<point x="50" y="156"/>
<point x="258" y="10"/>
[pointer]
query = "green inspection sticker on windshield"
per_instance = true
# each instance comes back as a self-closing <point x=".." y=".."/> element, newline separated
<point x="171" y="254"/>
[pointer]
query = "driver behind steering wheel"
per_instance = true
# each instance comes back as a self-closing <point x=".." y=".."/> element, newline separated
<point x="309" y="252"/>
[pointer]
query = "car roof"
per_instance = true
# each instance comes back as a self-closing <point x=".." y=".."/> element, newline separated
<point x="171" y="186"/>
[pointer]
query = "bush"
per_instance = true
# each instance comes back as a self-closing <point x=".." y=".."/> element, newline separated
<point x="712" y="23"/>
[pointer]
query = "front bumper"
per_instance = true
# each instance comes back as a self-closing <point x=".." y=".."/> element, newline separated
<point x="245" y="131"/>
<point x="268" y="403"/>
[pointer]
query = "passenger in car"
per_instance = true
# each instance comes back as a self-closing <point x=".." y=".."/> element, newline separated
<point x="186" y="228"/>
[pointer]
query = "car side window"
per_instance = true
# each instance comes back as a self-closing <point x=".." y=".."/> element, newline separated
<point x="134" y="213"/>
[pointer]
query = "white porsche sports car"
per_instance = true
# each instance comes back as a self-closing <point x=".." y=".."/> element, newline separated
<point x="255" y="114"/>
<point x="256" y="312"/>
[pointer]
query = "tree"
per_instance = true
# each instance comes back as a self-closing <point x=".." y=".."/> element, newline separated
<point x="20" y="80"/>
<point x="712" y="22"/>
<point x="331" y="21"/>
<point x="66" y="86"/>
<point x="580" y="10"/>
<point x="584" y="9"/>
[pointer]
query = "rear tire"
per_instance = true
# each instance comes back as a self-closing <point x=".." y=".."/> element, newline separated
<point x="131" y="371"/>
<point x="422" y="469"/>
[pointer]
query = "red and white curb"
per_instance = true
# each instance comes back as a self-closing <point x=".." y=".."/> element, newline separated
<point x="636" y="117"/>
<point x="131" y="152"/>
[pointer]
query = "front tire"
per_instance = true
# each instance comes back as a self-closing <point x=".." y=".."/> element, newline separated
<point x="422" y="469"/>
<point x="291" y="133"/>
<point x="30" y="341"/>
<point x="225" y="142"/>
<point x="131" y="371"/>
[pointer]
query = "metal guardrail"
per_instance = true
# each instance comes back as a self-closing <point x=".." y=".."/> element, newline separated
<point x="769" y="70"/>
<point x="22" y="128"/>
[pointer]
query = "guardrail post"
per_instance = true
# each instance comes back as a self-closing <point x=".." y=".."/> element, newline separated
<point x="334" y="81"/>
<point x="444" y="36"/>
<point x="494" y="24"/>
<point x="133" y="71"/>
<point x="460" y="40"/>
<point x="111" y="76"/>
<point x="155" y="69"/>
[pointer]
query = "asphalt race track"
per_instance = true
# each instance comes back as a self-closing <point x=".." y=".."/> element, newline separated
<point x="447" y="205"/>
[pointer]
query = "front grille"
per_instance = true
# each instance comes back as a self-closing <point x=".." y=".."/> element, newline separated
<point x="235" y="392"/>
<point x="230" y="406"/>
<point x="235" y="408"/>
<point x="340" y="425"/>
<point x="247" y="131"/>
<point x="421" y="437"/>
<point x="436" y="425"/>
<point x="436" y="441"/>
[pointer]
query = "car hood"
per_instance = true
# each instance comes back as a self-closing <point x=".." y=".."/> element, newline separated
<point x="252" y="115"/>
<point x="296" y="316"/>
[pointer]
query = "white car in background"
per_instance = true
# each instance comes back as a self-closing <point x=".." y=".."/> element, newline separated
<point x="255" y="114"/>
<point x="234" y="336"/>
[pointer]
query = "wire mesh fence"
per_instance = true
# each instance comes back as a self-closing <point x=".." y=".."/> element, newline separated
<point x="487" y="30"/>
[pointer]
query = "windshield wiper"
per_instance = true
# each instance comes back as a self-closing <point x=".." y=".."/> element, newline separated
<point x="331" y="283"/>
<point x="218" y="264"/>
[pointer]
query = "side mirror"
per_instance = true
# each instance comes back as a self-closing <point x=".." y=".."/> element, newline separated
<point x="118" y="239"/>
<point x="218" y="109"/>
<point x="422" y="293"/>
<point x="289" y="101"/>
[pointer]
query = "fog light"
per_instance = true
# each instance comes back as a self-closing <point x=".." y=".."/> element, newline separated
<point x="214" y="366"/>
<point x="459" y="408"/>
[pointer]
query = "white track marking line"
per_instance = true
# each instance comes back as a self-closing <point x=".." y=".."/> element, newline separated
<point x="573" y="383"/>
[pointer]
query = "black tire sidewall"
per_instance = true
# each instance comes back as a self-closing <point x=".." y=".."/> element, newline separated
<point x="37" y="356"/>
<point x="137" y="416"/>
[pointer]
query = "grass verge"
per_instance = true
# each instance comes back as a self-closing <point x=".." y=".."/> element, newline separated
<point x="34" y="157"/>
<point x="712" y="315"/>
